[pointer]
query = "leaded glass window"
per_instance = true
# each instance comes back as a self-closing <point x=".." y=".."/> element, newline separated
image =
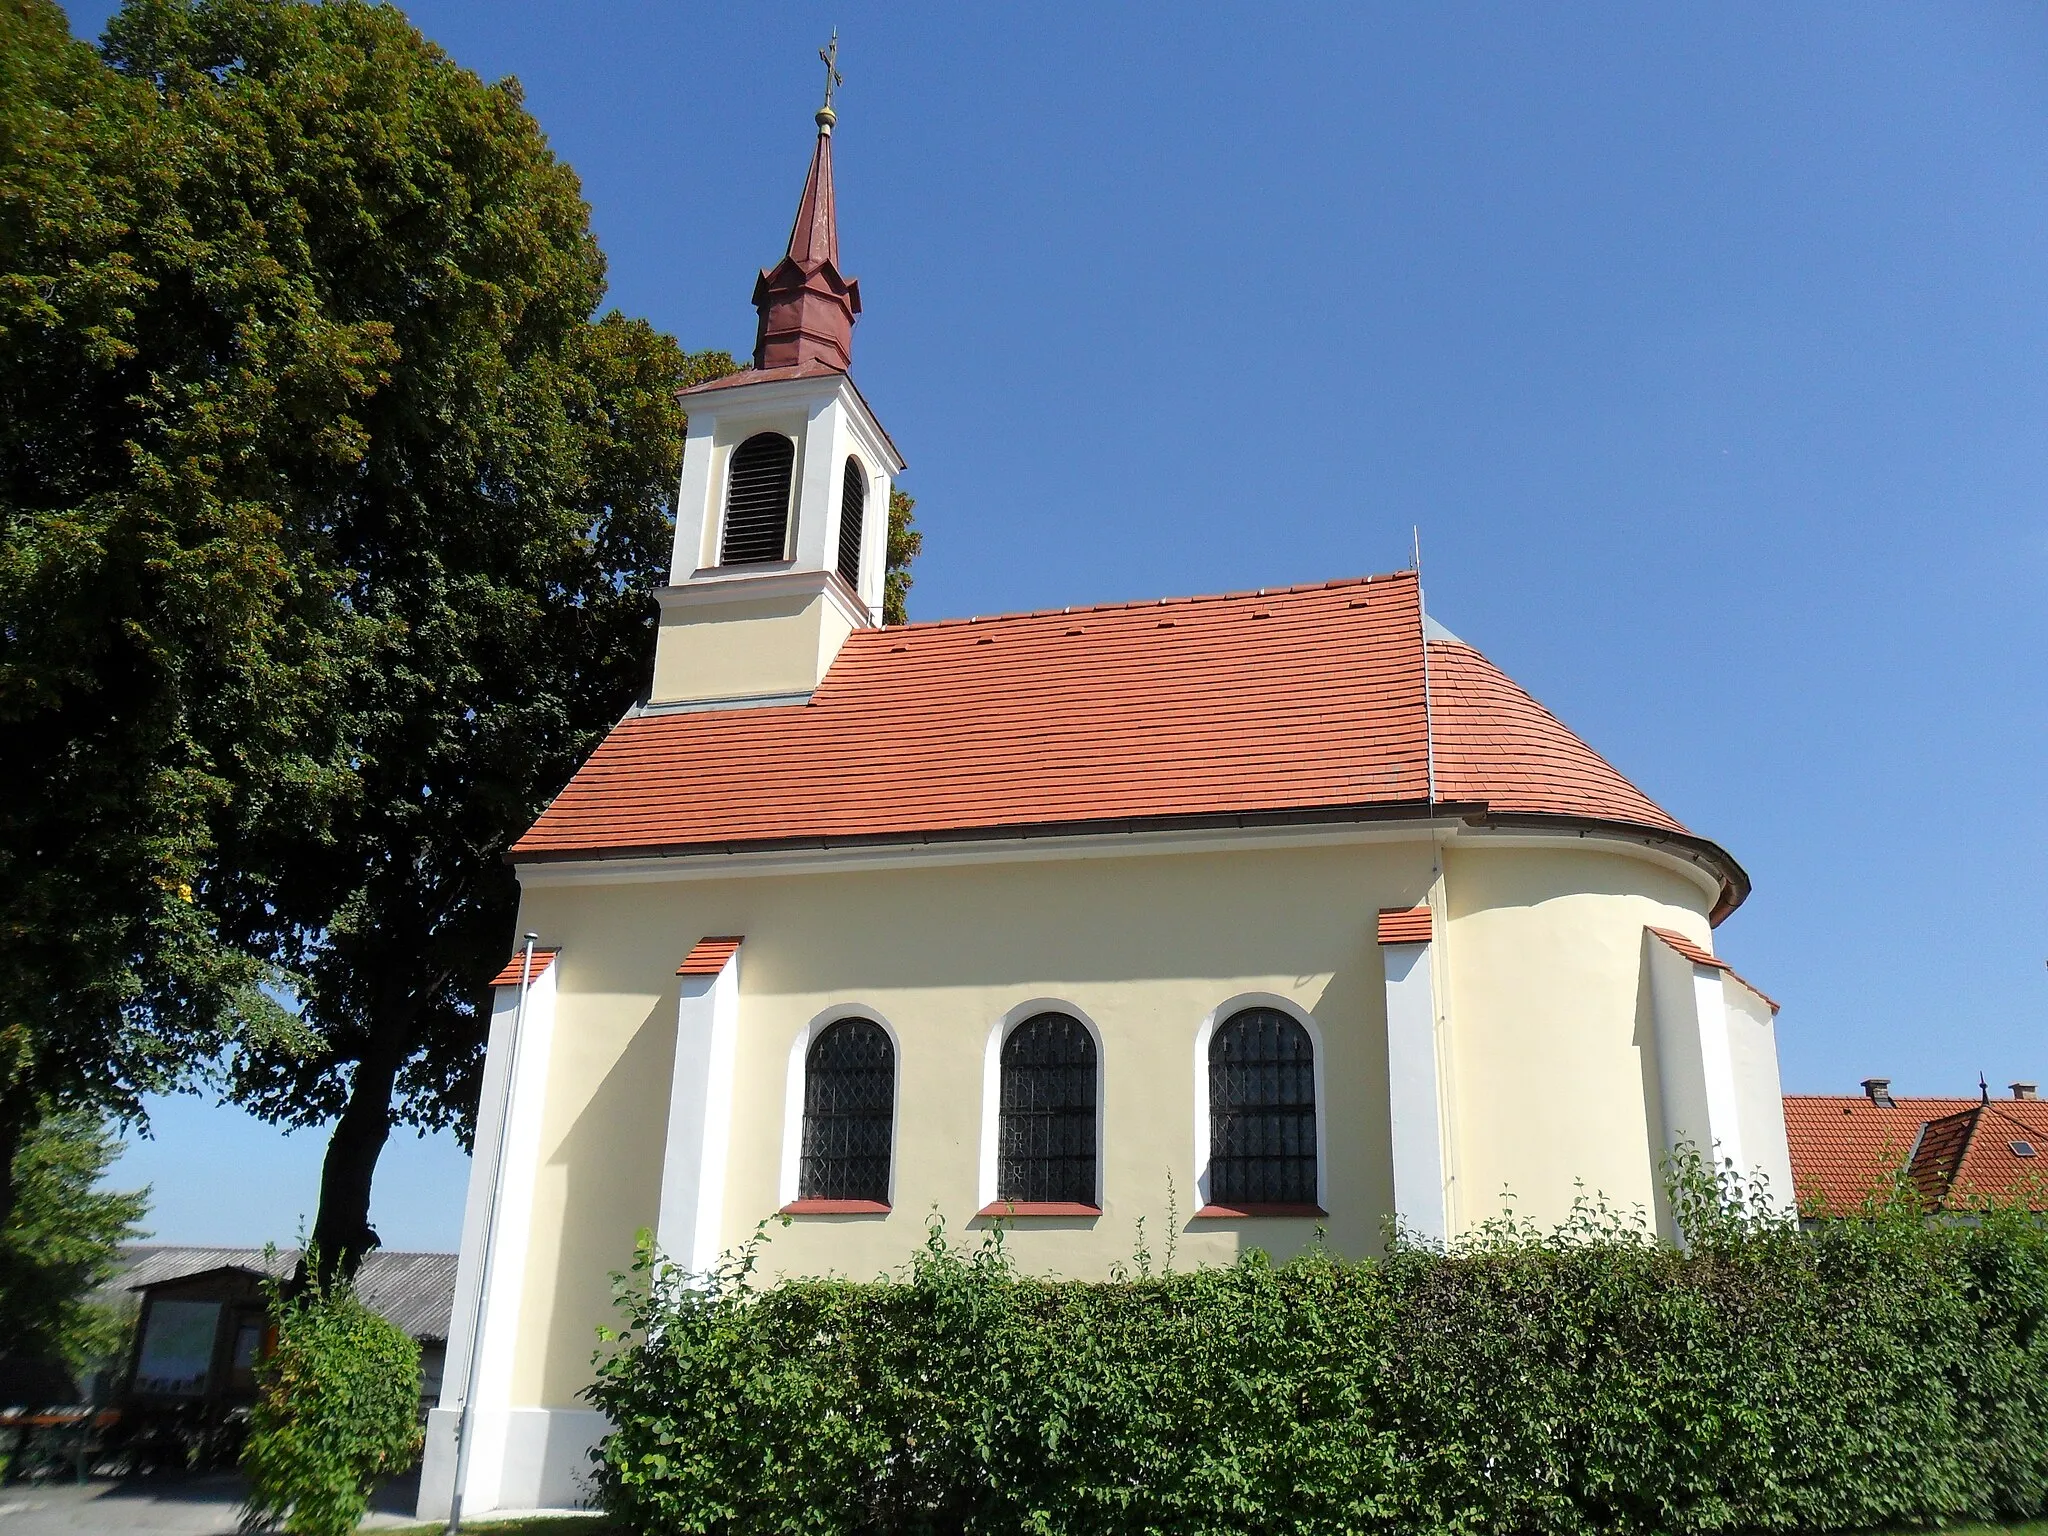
<point x="1262" y="1111"/>
<point x="849" y="1113"/>
<point x="1046" y="1151"/>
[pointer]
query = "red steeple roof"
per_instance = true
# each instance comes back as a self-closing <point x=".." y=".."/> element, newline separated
<point x="807" y="308"/>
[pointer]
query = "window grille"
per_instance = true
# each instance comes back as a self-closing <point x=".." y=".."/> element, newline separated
<point x="757" y="500"/>
<point x="1262" y="1111"/>
<point x="849" y="1113"/>
<point x="853" y="502"/>
<point x="1047" y="1138"/>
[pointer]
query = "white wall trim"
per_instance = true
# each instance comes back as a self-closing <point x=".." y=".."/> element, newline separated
<point x="546" y="1460"/>
<point x="992" y="1090"/>
<point x="511" y="1110"/>
<point x="789" y="1178"/>
<point x="1205" y="1032"/>
<point x="628" y="867"/>
<point x="1414" y="1091"/>
<point x="1718" y="1066"/>
<point x="759" y="585"/>
<point x="700" y="1118"/>
<point x="1698" y="1093"/>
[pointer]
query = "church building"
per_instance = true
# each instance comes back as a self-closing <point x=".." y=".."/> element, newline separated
<point x="1250" y="916"/>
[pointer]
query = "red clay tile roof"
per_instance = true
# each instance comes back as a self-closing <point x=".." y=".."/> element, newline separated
<point x="1303" y="701"/>
<point x="708" y="956"/>
<point x="1404" y="925"/>
<point x="1974" y="1155"/>
<point x="1938" y="1151"/>
<point x="1698" y="956"/>
<point x="1495" y="743"/>
<point x="1687" y="948"/>
<point x="1844" y="1146"/>
<point x="509" y="977"/>
<point x="806" y="370"/>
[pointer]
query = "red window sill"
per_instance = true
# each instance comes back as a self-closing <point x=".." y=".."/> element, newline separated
<point x="1039" y="1208"/>
<point x="836" y="1208"/>
<point x="1231" y="1212"/>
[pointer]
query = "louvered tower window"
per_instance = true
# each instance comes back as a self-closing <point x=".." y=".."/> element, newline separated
<point x="757" y="500"/>
<point x="853" y="502"/>
<point x="1046" y="1150"/>
<point x="849" y="1113"/>
<point x="1262" y="1111"/>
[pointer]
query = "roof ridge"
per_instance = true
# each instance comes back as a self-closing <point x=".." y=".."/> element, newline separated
<point x="1075" y="611"/>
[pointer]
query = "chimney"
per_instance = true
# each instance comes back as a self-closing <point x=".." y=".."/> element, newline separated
<point x="2025" y="1090"/>
<point x="1879" y="1091"/>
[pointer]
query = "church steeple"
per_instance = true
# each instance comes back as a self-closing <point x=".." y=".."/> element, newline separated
<point x="807" y="308"/>
<point x="782" y="522"/>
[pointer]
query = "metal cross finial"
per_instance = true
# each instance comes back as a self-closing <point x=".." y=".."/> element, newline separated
<point x="833" y="79"/>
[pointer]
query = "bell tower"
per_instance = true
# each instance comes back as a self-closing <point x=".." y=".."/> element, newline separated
<point x="782" y="518"/>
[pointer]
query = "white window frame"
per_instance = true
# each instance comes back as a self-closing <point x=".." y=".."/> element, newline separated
<point x="1221" y="1014"/>
<point x="992" y="1090"/>
<point x="790" y="1180"/>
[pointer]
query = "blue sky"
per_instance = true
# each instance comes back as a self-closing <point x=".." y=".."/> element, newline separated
<point x="1705" y="346"/>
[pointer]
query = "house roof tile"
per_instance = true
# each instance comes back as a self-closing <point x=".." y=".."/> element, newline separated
<point x="1699" y="956"/>
<point x="1844" y="1146"/>
<point x="1404" y="925"/>
<point x="707" y="956"/>
<point x="509" y="976"/>
<point x="1688" y="949"/>
<point x="1975" y="1155"/>
<point x="415" y="1291"/>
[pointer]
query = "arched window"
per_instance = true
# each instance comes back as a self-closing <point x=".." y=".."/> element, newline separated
<point x="757" y="500"/>
<point x="849" y="1113"/>
<point x="853" y="503"/>
<point x="1262" y="1111"/>
<point x="1046" y="1146"/>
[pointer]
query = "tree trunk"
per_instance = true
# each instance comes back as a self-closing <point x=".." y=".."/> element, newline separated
<point x="342" y="1233"/>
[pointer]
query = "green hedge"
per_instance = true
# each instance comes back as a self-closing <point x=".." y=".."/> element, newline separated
<point x="1869" y="1372"/>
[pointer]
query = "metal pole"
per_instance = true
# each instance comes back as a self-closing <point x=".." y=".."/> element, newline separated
<point x="466" y="1421"/>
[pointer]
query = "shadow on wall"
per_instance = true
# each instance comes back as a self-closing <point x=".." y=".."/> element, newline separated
<point x="606" y="1199"/>
<point x="1360" y="1135"/>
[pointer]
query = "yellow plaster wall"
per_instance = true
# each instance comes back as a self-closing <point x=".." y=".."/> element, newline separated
<point x="1552" y="1044"/>
<point x="740" y="649"/>
<point x="1541" y="974"/>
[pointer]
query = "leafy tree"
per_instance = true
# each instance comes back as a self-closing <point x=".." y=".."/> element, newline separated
<point x="330" y="514"/>
<point x="63" y="1239"/>
<point x="904" y="544"/>
<point x="164" y="385"/>
<point x="493" y="516"/>
<point x="336" y="1416"/>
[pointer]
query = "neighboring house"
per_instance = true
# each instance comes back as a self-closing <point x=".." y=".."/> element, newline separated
<point x="1267" y="914"/>
<point x="1956" y="1152"/>
<point x="203" y="1316"/>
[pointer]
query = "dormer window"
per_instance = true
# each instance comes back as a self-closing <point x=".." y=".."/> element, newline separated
<point x="853" y="502"/>
<point x="757" y="501"/>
